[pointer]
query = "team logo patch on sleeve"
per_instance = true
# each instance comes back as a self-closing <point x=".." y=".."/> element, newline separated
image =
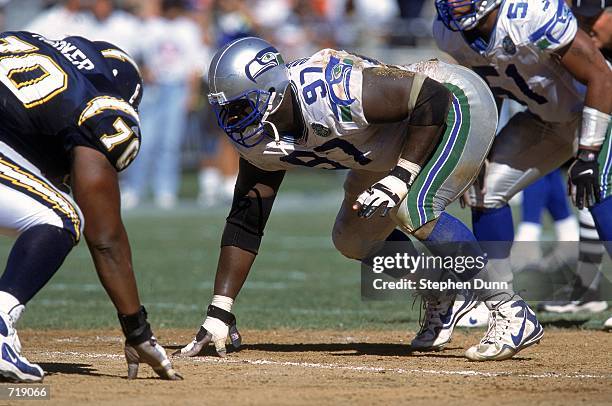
<point x="102" y="103"/>
<point x="338" y="78"/>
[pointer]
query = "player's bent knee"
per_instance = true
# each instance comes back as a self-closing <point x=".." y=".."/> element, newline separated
<point x="343" y="245"/>
<point x="350" y="246"/>
<point x="69" y="219"/>
<point x="423" y="232"/>
<point x="61" y="230"/>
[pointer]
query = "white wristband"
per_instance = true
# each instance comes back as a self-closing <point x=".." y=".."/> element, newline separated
<point x="594" y="127"/>
<point x="411" y="167"/>
<point x="223" y="302"/>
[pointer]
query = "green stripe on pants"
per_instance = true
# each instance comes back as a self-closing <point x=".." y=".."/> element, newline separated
<point x="420" y="200"/>
<point x="605" y="165"/>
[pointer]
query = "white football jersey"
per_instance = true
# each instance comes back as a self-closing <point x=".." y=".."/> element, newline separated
<point x="328" y="86"/>
<point x="519" y="60"/>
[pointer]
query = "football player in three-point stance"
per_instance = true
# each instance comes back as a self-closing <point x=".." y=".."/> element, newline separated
<point x="413" y="139"/>
<point x="533" y="52"/>
<point x="68" y="120"/>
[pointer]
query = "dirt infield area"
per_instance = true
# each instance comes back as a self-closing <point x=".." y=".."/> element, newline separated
<point x="327" y="367"/>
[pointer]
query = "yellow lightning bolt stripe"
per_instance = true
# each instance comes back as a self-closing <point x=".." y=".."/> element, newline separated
<point x="72" y="215"/>
<point x="122" y="56"/>
<point x="98" y="104"/>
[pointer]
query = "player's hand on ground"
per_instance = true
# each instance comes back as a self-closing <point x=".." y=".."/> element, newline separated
<point x="384" y="195"/>
<point x="149" y="352"/>
<point x="218" y="325"/>
<point x="583" y="180"/>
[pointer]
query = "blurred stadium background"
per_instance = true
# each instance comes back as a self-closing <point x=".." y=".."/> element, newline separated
<point x="299" y="280"/>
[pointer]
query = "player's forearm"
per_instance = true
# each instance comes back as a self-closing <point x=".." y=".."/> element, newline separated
<point x="427" y="114"/>
<point x="96" y="190"/>
<point x="420" y="143"/>
<point x="426" y="126"/>
<point x="596" y="113"/>
<point x="599" y="92"/>
<point x="112" y="259"/>
<point x="233" y="268"/>
<point x="587" y="65"/>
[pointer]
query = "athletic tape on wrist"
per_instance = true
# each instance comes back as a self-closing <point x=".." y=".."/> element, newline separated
<point x="410" y="167"/>
<point x="594" y="127"/>
<point x="223" y="315"/>
<point x="222" y="302"/>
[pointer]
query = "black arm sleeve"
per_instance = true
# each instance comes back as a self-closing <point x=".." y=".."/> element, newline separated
<point x="253" y="199"/>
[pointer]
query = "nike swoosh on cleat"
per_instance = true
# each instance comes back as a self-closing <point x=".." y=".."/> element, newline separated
<point x="9" y="355"/>
<point x="516" y="339"/>
<point x="472" y="320"/>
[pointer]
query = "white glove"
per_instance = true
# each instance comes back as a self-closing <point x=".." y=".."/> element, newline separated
<point x="216" y="330"/>
<point x="386" y="194"/>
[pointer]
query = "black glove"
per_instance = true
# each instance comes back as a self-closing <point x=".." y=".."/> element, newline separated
<point x="583" y="179"/>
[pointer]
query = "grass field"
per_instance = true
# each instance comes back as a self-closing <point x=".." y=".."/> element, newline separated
<point x="308" y="337"/>
<point x="299" y="280"/>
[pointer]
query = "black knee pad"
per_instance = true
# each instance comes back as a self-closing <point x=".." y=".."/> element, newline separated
<point x="246" y="222"/>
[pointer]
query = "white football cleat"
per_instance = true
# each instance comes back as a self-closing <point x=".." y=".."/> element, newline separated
<point x="441" y="317"/>
<point x="13" y="365"/>
<point x="574" y="306"/>
<point x="477" y="317"/>
<point x="608" y="325"/>
<point x="513" y="326"/>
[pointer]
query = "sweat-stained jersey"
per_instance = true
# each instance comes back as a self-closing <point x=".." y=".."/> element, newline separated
<point x="328" y="86"/>
<point x="54" y="96"/>
<point x="519" y="61"/>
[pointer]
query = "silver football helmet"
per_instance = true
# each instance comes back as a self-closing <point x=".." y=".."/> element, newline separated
<point x="456" y="15"/>
<point x="248" y="80"/>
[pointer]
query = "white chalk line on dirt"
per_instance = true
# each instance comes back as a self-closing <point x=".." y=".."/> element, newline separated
<point x="367" y="369"/>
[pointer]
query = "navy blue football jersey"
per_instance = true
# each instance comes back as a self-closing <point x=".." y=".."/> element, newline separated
<point x="56" y="95"/>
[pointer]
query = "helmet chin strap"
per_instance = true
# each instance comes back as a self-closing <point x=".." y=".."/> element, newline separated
<point x="270" y="111"/>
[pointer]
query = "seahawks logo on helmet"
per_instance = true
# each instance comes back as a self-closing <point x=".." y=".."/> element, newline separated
<point x="265" y="60"/>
